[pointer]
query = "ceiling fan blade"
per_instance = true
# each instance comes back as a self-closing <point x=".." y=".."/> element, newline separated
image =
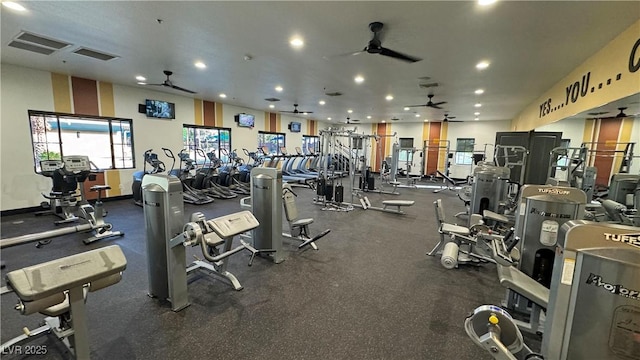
<point x="417" y="105"/>
<point x="290" y="112"/>
<point x="183" y="89"/>
<point x="439" y="103"/>
<point x="157" y="84"/>
<point x="434" y="106"/>
<point x="352" y="53"/>
<point x="396" y="55"/>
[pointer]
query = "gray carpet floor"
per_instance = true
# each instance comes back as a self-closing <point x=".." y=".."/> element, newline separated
<point x="369" y="292"/>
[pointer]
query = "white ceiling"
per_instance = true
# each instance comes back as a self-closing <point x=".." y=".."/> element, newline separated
<point x="531" y="46"/>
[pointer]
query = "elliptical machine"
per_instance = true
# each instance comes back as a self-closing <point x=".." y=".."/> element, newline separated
<point x="157" y="166"/>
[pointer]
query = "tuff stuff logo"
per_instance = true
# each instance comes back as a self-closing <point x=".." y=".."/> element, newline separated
<point x="621" y="290"/>
<point x="554" y="191"/>
<point x="631" y="239"/>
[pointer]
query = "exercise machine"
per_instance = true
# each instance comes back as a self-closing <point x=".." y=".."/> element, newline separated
<point x="568" y="167"/>
<point x="544" y="209"/>
<point x="58" y="289"/>
<point x="63" y="197"/>
<point x="597" y="268"/>
<point x="78" y="166"/>
<point x="269" y="197"/>
<point x="167" y="264"/>
<point x="157" y="167"/>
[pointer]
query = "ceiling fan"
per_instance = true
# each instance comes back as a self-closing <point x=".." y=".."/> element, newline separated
<point x="375" y="46"/>
<point x="170" y="84"/>
<point x="622" y="114"/>
<point x="430" y="104"/>
<point x="296" y="111"/>
<point x="448" y="118"/>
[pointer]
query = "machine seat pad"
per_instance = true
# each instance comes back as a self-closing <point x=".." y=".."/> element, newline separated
<point x="495" y="216"/>
<point x="40" y="281"/>
<point x="302" y="222"/>
<point x="396" y="183"/>
<point x="398" y="202"/>
<point x="454" y="229"/>
<point x="100" y="187"/>
<point x="514" y="279"/>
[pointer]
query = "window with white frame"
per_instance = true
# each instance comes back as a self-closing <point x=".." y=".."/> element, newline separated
<point x="464" y="151"/>
<point x="202" y="140"/>
<point x="108" y="142"/>
<point x="271" y="142"/>
<point x="310" y="143"/>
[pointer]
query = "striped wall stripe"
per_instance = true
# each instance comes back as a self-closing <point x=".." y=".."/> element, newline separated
<point x="608" y="133"/>
<point x="107" y="104"/>
<point x="425" y="138"/>
<point x="312" y="127"/>
<point x="209" y="113"/>
<point x="219" y="119"/>
<point x="197" y="112"/>
<point x="61" y="93"/>
<point x="442" y="154"/>
<point x="85" y="96"/>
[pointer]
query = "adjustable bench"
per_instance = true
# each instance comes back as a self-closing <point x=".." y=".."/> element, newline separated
<point x="58" y="290"/>
<point x="398" y="203"/>
<point x="519" y="282"/>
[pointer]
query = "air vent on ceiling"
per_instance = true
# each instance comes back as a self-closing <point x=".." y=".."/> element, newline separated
<point x="335" y="93"/>
<point x="430" y="85"/>
<point x="41" y="40"/>
<point x="95" y="54"/>
<point x="597" y="113"/>
<point x="272" y="99"/>
<point x="37" y="43"/>
<point x="30" y="47"/>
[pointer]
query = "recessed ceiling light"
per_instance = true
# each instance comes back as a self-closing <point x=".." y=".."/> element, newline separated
<point x="478" y="105"/>
<point x="223" y="95"/>
<point x="476" y="113"/>
<point x="407" y="108"/>
<point x="349" y="111"/>
<point x="328" y="118"/>
<point x="142" y="83"/>
<point x="321" y="102"/>
<point x="476" y="119"/>
<point x="13" y="6"/>
<point x="389" y="97"/>
<point x="271" y="106"/>
<point x="200" y="65"/>
<point x="279" y="88"/>
<point x="479" y="91"/>
<point x="305" y="113"/>
<point x="425" y="120"/>
<point x="417" y="115"/>
<point x="141" y="78"/>
<point x="296" y="42"/>
<point x="358" y="79"/>
<point x="368" y="116"/>
<point x="486" y="2"/>
<point x="482" y="65"/>
<point x="383" y="121"/>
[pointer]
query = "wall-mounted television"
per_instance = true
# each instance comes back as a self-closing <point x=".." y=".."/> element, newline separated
<point x="160" y="109"/>
<point x="295" y="126"/>
<point x="245" y="120"/>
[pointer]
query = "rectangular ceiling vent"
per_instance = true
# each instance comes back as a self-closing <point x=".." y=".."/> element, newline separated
<point x="430" y="85"/>
<point x="272" y="99"/>
<point x="95" y="54"/>
<point x="37" y="43"/>
<point x="30" y="47"/>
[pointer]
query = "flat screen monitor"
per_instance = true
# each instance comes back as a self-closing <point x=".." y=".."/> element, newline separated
<point x="160" y="109"/>
<point x="245" y="120"/>
<point x="295" y="127"/>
